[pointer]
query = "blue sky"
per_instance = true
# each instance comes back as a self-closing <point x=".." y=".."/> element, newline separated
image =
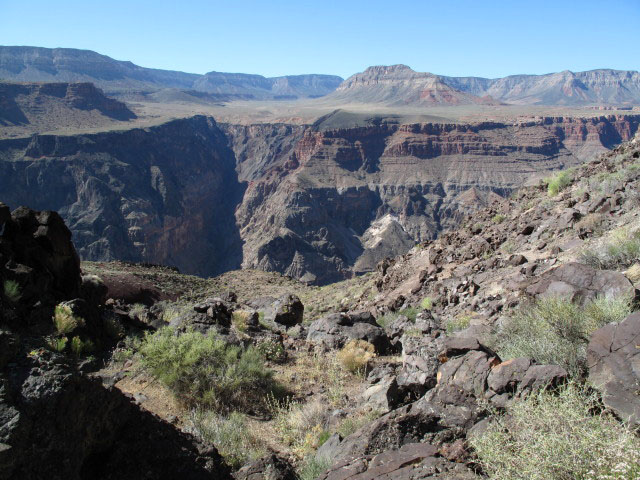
<point x="277" y="37"/>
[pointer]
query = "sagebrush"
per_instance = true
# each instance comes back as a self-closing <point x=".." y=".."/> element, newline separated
<point x="560" y="436"/>
<point x="204" y="371"/>
<point x="556" y="331"/>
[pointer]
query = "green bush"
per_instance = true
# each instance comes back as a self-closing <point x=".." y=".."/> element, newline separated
<point x="427" y="303"/>
<point x="12" y="290"/>
<point x="57" y="344"/>
<point x="556" y="435"/>
<point x="65" y="321"/>
<point x="203" y="370"/>
<point x="621" y="251"/>
<point x="312" y="468"/>
<point x="556" y="331"/>
<point x="81" y="347"/>
<point x="458" y="323"/>
<point x="498" y="218"/>
<point x="558" y="182"/>
<point x="272" y="350"/>
<point x="231" y="435"/>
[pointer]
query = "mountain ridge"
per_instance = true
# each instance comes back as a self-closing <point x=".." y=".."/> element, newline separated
<point x="39" y="64"/>
<point x="396" y="85"/>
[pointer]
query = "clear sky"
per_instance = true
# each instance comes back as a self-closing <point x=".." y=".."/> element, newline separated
<point x="277" y="37"/>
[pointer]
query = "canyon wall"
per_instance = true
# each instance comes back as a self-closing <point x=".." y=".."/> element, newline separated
<point x="165" y="194"/>
<point x="316" y="204"/>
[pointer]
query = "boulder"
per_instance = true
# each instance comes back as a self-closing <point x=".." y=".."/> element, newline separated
<point x="613" y="358"/>
<point x="56" y="423"/>
<point x="212" y="313"/>
<point x="413" y="461"/>
<point x="421" y="342"/>
<point x="580" y="283"/>
<point x="383" y="396"/>
<point x="287" y="311"/>
<point x="271" y="467"/>
<point x="336" y="329"/>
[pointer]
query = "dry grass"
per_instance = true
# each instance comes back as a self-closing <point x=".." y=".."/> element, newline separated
<point x="633" y="273"/>
<point x="356" y="355"/>
<point x="558" y="436"/>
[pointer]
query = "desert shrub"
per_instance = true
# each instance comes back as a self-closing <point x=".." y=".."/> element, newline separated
<point x="203" y="370"/>
<point x="410" y="312"/>
<point x="239" y="319"/>
<point x="313" y="467"/>
<point x="57" y="344"/>
<point x="231" y="435"/>
<point x="12" y="290"/>
<point x="386" y="319"/>
<point x="81" y="347"/>
<point x="620" y="251"/>
<point x="593" y="222"/>
<point x="127" y="348"/>
<point x="112" y="327"/>
<point x="356" y="355"/>
<point x="509" y="247"/>
<point x="170" y="311"/>
<point x="272" y="350"/>
<point x="556" y="331"/>
<point x="301" y="426"/>
<point x="460" y="322"/>
<point x="633" y="273"/>
<point x="498" y="218"/>
<point x="556" y="435"/>
<point x="427" y="303"/>
<point x="558" y="182"/>
<point x="65" y="321"/>
<point x="139" y="310"/>
<point x="354" y="422"/>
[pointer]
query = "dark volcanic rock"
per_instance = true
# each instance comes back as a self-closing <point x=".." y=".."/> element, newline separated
<point x="271" y="467"/>
<point x="287" y="311"/>
<point x="613" y="356"/>
<point x="412" y="461"/>
<point x="580" y="283"/>
<point x="55" y="423"/>
<point x="336" y="329"/>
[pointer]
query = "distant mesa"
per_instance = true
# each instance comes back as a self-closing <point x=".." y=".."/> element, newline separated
<point x="398" y="85"/>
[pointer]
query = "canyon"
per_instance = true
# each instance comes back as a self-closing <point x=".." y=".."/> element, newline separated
<point x="313" y="177"/>
<point x="315" y="202"/>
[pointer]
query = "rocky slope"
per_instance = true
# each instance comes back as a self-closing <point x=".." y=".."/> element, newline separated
<point x="312" y="202"/>
<point x="37" y="107"/>
<point x="438" y="382"/>
<point x="55" y="420"/>
<point x="35" y="64"/>
<point x="398" y="85"/>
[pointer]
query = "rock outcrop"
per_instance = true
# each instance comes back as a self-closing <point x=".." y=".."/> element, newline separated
<point x="613" y="356"/>
<point x="56" y="422"/>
